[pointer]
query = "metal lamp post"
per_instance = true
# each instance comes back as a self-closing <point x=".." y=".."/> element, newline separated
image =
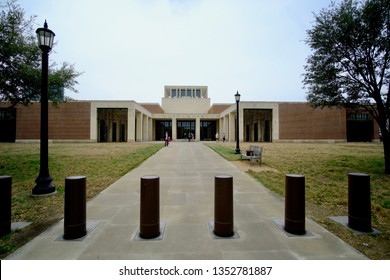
<point x="237" y="96"/>
<point x="44" y="185"/>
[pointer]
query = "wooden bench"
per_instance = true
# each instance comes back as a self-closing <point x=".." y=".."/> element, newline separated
<point x="254" y="153"/>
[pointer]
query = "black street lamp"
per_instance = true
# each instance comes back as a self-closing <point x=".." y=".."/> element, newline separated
<point x="237" y="96"/>
<point x="44" y="185"/>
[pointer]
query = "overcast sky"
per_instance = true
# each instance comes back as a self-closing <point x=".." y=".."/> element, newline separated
<point x="130" y="49"/>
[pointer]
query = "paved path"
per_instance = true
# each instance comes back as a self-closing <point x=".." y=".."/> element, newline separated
<point x="187" y="172"/>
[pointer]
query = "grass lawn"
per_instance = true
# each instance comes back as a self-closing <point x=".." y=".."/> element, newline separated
<point x="101" y="163"/>
<point x="325" y="167"/>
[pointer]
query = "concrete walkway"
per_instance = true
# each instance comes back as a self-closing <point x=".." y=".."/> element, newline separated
<point x="187" y="172"/>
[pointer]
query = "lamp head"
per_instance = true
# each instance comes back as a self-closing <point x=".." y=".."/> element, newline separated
<point x="45" y="37"/>
<point x="237" y="96"/>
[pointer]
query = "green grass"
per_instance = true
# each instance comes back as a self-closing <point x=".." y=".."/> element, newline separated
<point x="101" y="163"/>
<point x="326" y="167"/>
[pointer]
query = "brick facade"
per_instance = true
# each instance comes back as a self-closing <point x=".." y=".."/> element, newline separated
<point x="259" y="121"/>
<point x="300" y="121"/>
<point x="67" y="121"/>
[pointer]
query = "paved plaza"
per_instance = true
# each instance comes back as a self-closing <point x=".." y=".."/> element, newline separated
<point x="187" y="172"/>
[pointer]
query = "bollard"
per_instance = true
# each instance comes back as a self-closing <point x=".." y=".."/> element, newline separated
<point x="150" y="207"/>
<point x="294" y="221"/>
<point x="359" y="202"/>
<point x="5" y="205"/>
<point x="75" y="225"/>
<point x="223" y="206"/>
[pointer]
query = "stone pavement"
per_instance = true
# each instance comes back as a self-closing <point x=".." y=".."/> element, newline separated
<point x="187" y="172"/>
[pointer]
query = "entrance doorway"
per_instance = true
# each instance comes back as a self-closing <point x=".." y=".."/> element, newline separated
<point x="267" y="131"/>
<point x="102" y="131"/>
<point x="258" y="125"/>
<point x="8" y="125"/>
<point x="208" y="129"/>
<point x="256" y="132"/>
<point x="113" y="132"/>
<point x="184" y="128"/>
<point x="360" y="128"/>
<point x="112" y="124"/>
<point x="163" y="126"/>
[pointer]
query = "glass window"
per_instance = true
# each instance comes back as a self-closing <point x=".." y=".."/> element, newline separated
<point x="182" y="93"/>
<point x="360" y="117"/>
<point x="197" y="93"/>
<point x="184" y="128"/>
<point x="173" y="93"/>
<point x="189" y="92"/>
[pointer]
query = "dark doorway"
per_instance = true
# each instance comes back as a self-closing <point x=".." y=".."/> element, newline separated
<point x="123" y="133"/>
<point x="256" y="132"/>
<point x="8" y="125"/>
<point x="360" y="131"/>
<point x="110" y="122"/>
<point x="247" y="133"/>
<point x="258" y="125"/>
<point x="267" y="131"/>
<point x="208" y="129"/>
<point x="360" y="128"/>
<point x="162" y="127"/>
<point x="184" y="128"/>
<point x="102" y="131"/>
<point x="114" y="132"/>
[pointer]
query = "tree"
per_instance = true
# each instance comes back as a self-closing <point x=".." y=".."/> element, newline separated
<point x="349" y="66"/>
<point x="20" y="59"/>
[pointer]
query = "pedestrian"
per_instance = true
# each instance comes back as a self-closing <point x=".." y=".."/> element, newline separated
<point x="223" y="139"/>
<point x="166" y="139"/>
<point x="216" y="137"/>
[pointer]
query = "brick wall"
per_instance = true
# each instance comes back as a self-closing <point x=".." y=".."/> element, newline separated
<point x="71" y="120"/>
<point x="300" y="121"/>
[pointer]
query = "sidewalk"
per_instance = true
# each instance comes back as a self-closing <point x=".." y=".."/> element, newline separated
<point x="187" y="172"/>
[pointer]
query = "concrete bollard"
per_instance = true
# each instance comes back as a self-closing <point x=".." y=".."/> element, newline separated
<point x="294" y="221"/>
<point x="223" y="206"/>
<point x="5" y="204"/>
<point x="150" y="207"/>
<point x="359" y="202"/>
<point x="75" y="214"/>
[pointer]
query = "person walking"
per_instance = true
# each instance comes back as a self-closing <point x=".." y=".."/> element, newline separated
<point x="166" y="139"/>
<point x="216" y="137"/>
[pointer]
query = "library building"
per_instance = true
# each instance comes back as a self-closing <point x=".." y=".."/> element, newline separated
<point x="187" y="111"/>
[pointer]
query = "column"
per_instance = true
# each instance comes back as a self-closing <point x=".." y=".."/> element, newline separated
<point x="145" y="127"/>
<point x="139" y="121"/>
<point x="174" y="129"/>
<point x="197" y="129"/>
<point x="131" y="125"/>
<point x="225" y="127"/>
<point x="232" y="127"/>
<point x="150" y="133"/>
<point x="241" y="124"/>
<point x="93" y="131"/>
<point x="220" y="128"/>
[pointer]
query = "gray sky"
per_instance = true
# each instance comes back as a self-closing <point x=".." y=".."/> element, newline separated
<point x="130" y="49"/>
